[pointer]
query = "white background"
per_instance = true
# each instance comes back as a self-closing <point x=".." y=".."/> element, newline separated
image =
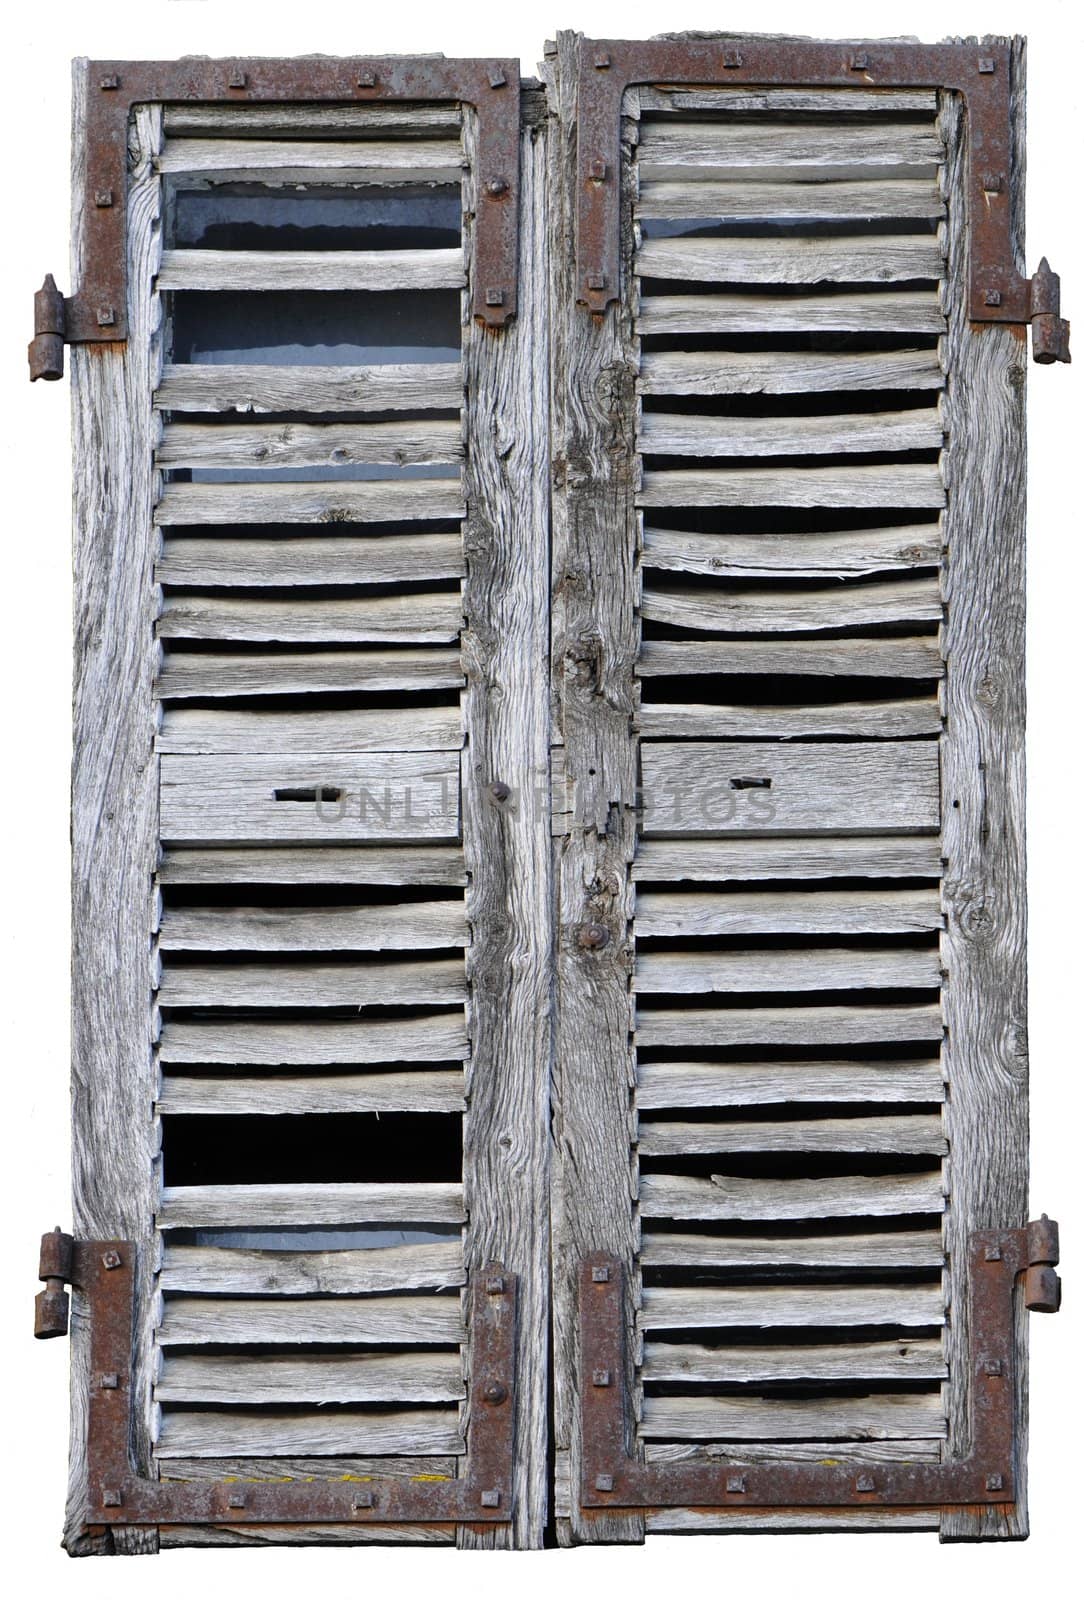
<point x="35" y="643"/>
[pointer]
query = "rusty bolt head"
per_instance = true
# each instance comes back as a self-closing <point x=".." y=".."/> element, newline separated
<point x="735" y="1484"/>
<point x="106" y="316"/>
<point x="732" y="58"/>
<point x="103" y="197"/>
<point x="860" y="61"/>
<point x="987" y="64"/>
<point x="599" y="170"/>
<point x="596" y="280"/>
<point x="602" y="61"/>
<point x="491" y="1497"/>
<point x="497" y="186"/>
<point x="604" y="1482"/>
<point x="992" y="297"/>
<point x="993" y="182"/>
<point x="363" y="1501"/>
<point x="994" y="1482"/>
<point x="238" y="80"/>
<point x="112" y="1497"/>
<point x="993" y="1369"/>
<point x="865" y="1484"/>
<point x="992" y="1251"/>
<point x="236" y="1502"/>
<point x="500" y="790"/>
<point x="111" y="1259"/>
<point x="109" y="82"/>
<point x="494" y="1285"/>
<point x="109" y="1380"/>
<point x="494" y="1394"/>
<point x="494" y="297"/>
<point x="601" y="1377"/>
<point x="593" y="936"/>
<point x="497" y="79"/>
<point x="366" y="80"/>
<point x="600" y="1274"/>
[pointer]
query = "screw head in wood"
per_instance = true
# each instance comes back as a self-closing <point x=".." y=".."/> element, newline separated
<point x="497" y="186"/>
<point x="491" y="1497"/>
<point x="593" y="936"/>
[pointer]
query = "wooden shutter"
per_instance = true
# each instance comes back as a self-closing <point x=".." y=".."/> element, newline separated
<point x="789" y="675"/>
<point x="311" y="1025"/>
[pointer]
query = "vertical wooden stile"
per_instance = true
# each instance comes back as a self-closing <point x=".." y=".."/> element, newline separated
<point x="595" y="634"/>
<point x="982" y="783"/>
<point x="115" y="796"/>
<point x="505" y="822"/>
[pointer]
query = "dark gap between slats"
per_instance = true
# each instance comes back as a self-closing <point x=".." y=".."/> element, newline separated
<point x="702" y="226"/>
<point x="360" y="1147"/>
<point x="333" y="327"/>
<point x="826" y="403"/>
<point x="764" y="341"/>
<point x="363" y="1236"/>
<point x="273" y="215"/>
<point x="308" y="897"/>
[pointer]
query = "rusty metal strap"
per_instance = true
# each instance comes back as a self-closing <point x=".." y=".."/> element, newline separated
<point x="117" y="1494"/>
<point x="612" y="1475"/>
<point x="998" y="292"/>
<point x="98" y="309"/>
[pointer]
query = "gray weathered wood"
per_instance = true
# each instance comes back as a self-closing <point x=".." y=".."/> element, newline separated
<point x="859" y="719"/>
<point x="733" y="97"/>
<point x="115" y="1139"/>
<point x="778" y="610"/>
<point x="295" y="444"/>
<point x="439" y="1037"/>
<point x="237" y="270"/>
<point x="418" y="386"/>
<point x="295" y="1205"/>
<point x="671" y="147"/>
<point x="249" y="563"/>
<point x="782" y="371"/>
<point x="386" y="796"/>
<point x="913" y="1135"/>
<point x="817" y="967"/>
<point x="207" y="1270"/>
<point x="738" y="201"/>
<point x="894" y="1416"/>
<point x="694" y="913"/>
<point x="247" y="121"/>
<point x="203" y="731"/>
<point x="439" y="865"/>
<point x="795" y="555"/>
<point x="753" y="1199"/>
<point x="786" y="1025"/>
<point x="911" y="484"/>
<point x="891" y="657"/>
<point x="725" y="860"/>
<point x="665" y="1084"/>
<point x="900" y="258"/>
<point x="420" y="1430"/>
<point x="793" y="1306"/>
<point x="308" y="983"/>
<point x="303" y="161"/>
<point x="884" y="1250"/>
<point x="982" y="765"/>
<point x="311" y="1094"/>
<point x="418" y="618"/>
<point x="374" y="500"/>
<point x="415" y="925"/>
<point x="417" y="1319"/>
<point x="188" y="674"/>
<point x="677" y="434"/>
<point x="879" y="311"/>
<point x="313" y="1379"/>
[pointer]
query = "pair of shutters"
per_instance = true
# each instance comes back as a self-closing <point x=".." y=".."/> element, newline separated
<point x="547" y="789"/>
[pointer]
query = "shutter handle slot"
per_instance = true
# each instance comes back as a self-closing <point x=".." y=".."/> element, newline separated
<point x="750" y="783"/>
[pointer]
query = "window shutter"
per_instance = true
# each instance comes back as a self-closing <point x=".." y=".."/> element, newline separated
<point x="311" y="1078"/>
<point x="548" y="864"/>
<point x="789" y="668"/>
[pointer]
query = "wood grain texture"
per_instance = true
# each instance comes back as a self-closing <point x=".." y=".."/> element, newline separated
<point x="727" y="97"/>
<point x="115" y="1170"/>
<point x="813" y="150"/>
<point x="787" y="1025"/>
<point x="249" y="121"/>
<point x="797" y="555"/>
<point x="377" y="500"/>
<point x="250" y="563"/>
<point x="307" y="161"/>
<point x="900" y="258"/>
<point x="790" y="1306"/>
<point x="743" y="860"/>
<point x="666" y="1084"/>
<point x="187" y="674"/>
<point x="312" y="1094"/>
<point x="910" y="485"/>
<point x="750" y="1199"/>
<point x="595" y="636"/>
<point x="893" y="1416"/>
<point x="437" y="865"/>
<point x="209" y="731"/>
<point x="439" y="1037"/>
<point x="984" y="890"/>
<point x="417" y="386"/>
<point x="778" y="610"/>
<point x="783" y="371"/>
<point x="381" y="270"/>
<point x="421" y="617"/>
<point x="856" y="719"/>
<point x="298" y="444"/>
<point x="849" y="788"/>
<point x="787" y="971"/>
<point x="318" y="1380"/>
<point x="911" y="1135"/>
<point x="207" y="1270"/>
<point x="413" y="1319"/>
<point x="883" y="1250"/>
<point x="842" y="433"/>
<point x="739" y="201"/>
<point x="506" y="845"/>
<point x="297" y="1205"/>
<point x="415" y="925"/>
<point x="895" y="311"/>
<point x="420" y="1430"/>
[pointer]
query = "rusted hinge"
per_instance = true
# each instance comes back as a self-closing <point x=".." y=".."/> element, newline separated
<point x="997" y="292"/>
<point x="98" y="311"/>
<point x="613" y="1476"/>
<point x="103" y="1272"/>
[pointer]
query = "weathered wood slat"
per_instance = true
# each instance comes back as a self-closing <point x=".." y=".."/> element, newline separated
<point x="242" y="1381"/>
<point x="312" y="1094"/>
<point x="372" y="500"/>
<point x="784" y="371"/>
<point x="897" y="258"/>
<point x="386" y="796"/>
<point x="438" y="1037"/>
<point x="678" y="434"/>
<point x="721" y="787"/>
<point x="296" y="444"/>
<point x="780" y="1025"/>
<point x="691" y="914"/>
<point x="824" y="202"/>
<point x="198" y="674"/>
<point x="416" y="386"/>
<point x="870" y="657"/>
<point x="203" y="731"/>
<point x="663" y="1085"/>
<point x="670" y="148"/>
<point x="893" y="1416"/>
<point x="722" y="860"/>
<point x="247" y="121"/>
<point x="788" y="971"/>
<point x="752" y="1199"/>
<point x="438" y="866"/>
<point x="794" y="1306"/>
<point x="910" y="485"/>
<point x="862" y="1452"/>
<point x="413" y="618"/>
<point x="797" y="555"/>
<point x="250" y="563"/>
<point x="693" y="1363"/>
<point x="850" y="605"/>
<point x="295" y="1205"/>
<point x="395" y="1319"/>
<point x="303" y="161"/>
<point x="860" y="719"/>
<point x="207" y="1270"/>
<point x="420" y="1430"/>
<point x="884" y="1250"/>
<point x="734" y="97"/>
<point x="379" y="270"/>
<point x="880" y="311"/>
<point x="304" y="983"/>
<point x="415" y="925"/>
<point x="913" y="1135"/>
<point x="808" y="1519"/>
